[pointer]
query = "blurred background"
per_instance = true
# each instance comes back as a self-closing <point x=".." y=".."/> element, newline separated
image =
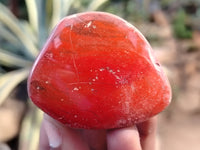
<point x="171" y="26"/>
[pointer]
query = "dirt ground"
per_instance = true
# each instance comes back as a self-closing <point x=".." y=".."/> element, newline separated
<point x="179" y="124"/>
<point x="179" y="132"/>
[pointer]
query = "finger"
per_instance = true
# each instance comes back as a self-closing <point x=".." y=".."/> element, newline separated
<point x="43" y="144"/>
<point x="50" y="140"/>
<point x="147" y="131"/>
<point x="125" y="138"/>
<point x="96" y="139"/>
<point x="55" y="136"/>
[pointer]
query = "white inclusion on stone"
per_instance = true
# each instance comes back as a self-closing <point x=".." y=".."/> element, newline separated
<point x="37" y="87"/>
<point x="121" y="122"/>
<point x="102" y="69"/>
<point x="111" y="71"/>
<point x="60" y="118"/>
<point x="117" y="77"/>
<point x="76" y="89"/>
<point x="49" y="55"/>
<point x="132" y="87"/>
<point x="94" y="27"/>
<point x="57" y="42"/>
<point x="127" y="107"/>
<point x="47" y="82"/>
<point x="93" y="79"/>
<point x="88" y="24"/>
<point x="127" y="52"/>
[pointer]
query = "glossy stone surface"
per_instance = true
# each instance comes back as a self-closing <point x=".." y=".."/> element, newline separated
<point x="97" y="71"/>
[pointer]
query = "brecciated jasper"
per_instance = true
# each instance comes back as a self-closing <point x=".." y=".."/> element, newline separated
<point x="97" y="71"/>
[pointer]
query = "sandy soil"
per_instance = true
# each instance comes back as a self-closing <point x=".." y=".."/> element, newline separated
<point x="179" y="132"/>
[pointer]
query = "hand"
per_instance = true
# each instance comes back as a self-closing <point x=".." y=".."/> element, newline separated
<point x="55" y="136"/>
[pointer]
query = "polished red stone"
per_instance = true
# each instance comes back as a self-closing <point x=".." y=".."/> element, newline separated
<point x="97" y="71"/>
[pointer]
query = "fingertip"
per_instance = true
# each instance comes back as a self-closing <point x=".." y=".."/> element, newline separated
<point x="55" y="135"/>
<point x="148" y="127"/>
<point x="50" y="135"/>
<point x="148" y="134"/>
<point x="124" y="138"/>
<point x="43" y="143"/>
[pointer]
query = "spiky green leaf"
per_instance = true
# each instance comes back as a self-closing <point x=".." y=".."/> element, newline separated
<point x="10" y="80"/>
<point x="95" y="4"/>
<point x="29" y="135"/>
<point x="60" y="10"/>
<point x="11" y="22"/>
<point x="11" y="60"/>
<point x="32" y="14"/>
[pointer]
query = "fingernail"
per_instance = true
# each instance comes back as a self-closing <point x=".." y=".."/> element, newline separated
<point x="53" y="134"/>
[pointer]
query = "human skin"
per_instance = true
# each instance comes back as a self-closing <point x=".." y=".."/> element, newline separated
<point x="56" y="136"/>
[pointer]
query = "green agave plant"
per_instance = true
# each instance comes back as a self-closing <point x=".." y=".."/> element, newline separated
<point x="23" y="40"/>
